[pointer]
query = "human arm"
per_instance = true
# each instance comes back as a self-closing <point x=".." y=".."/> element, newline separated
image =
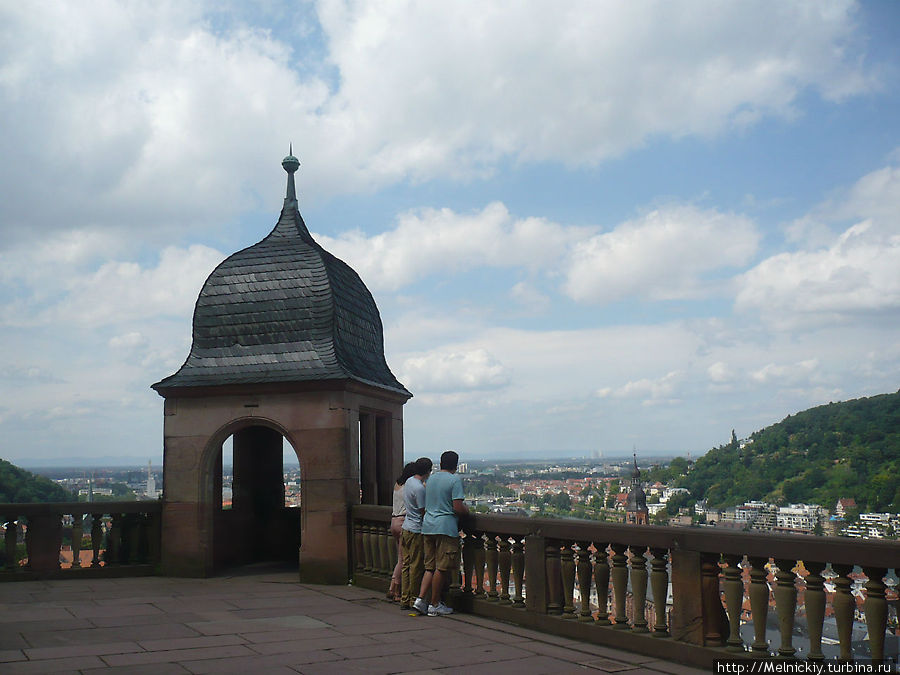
<point x="459" y="506"/>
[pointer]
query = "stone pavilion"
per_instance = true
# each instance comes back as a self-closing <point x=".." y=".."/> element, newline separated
<point x="287" y="345"/>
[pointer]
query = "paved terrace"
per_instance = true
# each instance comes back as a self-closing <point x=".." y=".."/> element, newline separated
<point x="268" y="623"/>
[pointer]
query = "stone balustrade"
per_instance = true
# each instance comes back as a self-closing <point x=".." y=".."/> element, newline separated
<point x="704" y="584"/>
<point x="124" y="539"/>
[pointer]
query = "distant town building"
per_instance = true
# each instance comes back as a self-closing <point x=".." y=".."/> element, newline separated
<point x="843" y="506"/>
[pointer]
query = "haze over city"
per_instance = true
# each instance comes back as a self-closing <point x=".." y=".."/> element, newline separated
<point x="587" y="229"/>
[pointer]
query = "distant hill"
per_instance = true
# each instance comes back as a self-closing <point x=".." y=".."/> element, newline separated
<point x="848" y="449"/>
<point x="18" y="486"/>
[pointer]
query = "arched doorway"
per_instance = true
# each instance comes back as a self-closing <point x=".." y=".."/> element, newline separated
<point x="252" y="520"/>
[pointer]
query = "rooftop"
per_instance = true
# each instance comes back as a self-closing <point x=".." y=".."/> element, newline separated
<point x="267" y="622"/>
<point x="284" y="311"/>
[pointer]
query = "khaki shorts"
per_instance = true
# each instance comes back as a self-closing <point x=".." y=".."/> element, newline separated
<point x="441" y="553"/>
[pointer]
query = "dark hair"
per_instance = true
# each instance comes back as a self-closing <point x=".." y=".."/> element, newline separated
<point x="408" y="470"/>
<point x="423" y="466"/>
<point x="449" y="461"/>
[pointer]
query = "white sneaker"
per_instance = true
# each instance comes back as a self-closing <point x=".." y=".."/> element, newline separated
<point x="421" y="606"/>
<point x="439" y="609"/>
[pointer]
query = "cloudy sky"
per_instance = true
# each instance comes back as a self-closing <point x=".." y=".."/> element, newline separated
<point x="588" y="226"/>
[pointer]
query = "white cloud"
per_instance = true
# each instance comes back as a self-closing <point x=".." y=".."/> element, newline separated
<point x="117" y="291"/>
<point x="854" y="274"/>
<point x="136" y="116"/>
<point x="645" y="388"/>
<point x="720" y="373"/>
<point x="663" y="255"/>
<point x="790" y="373"/>
<point x="530" y="298"/>
<point x="445" y="372"/>
<point x="128" y="341"/>
<point x="473" y="83"/>
<point x="434" y="241"/>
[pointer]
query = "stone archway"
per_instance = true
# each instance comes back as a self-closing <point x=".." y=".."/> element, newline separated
<point x="256" y="526"/>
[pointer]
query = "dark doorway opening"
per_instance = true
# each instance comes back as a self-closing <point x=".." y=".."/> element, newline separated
<point x="257" y="517"/>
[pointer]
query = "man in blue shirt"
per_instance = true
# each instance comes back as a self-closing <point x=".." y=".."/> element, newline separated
<point x="440" y="528"/>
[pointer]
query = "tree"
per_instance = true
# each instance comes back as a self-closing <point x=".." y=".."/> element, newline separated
<point x="561" y="501"/>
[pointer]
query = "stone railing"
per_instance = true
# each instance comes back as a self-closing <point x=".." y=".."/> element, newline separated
<point x="124" y="539"/>
<point x="528" y="571"/>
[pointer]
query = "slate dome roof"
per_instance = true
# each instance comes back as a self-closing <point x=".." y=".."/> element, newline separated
<point x="284" y="310"/>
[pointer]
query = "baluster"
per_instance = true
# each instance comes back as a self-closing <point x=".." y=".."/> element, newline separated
<point x="713" y="613"/>
<point x="504" y="559"/>
<point x="518" y="571"/>
<point x="814" y="599"/>
<point x="376" y="548"/>
<point x="759" y="605"/>
<point x="114" y="540"/>
<point x="601" y="583"/>
<point x="392" y="551"/>
<point x="77" y="527"/>
<point x="29" y="542"/>
<point x="384" y="541"/>
<point x="554" y="578"/>
<point x="584" y="571"/>
<point x="455" y="574"/>
<point x="659" y="583"/>
<point x="876" y="610"/>
<point x="153" y="534"/>
<point x="9" y="541"/>
<point x="844" y="605"/>
<point x="468" y="556"/>
<point x="639" y="589"/>
<point x="133" y="538"/>
<point x="358" y="545"/>
<point x="620" y="581"/>
<point x="785" y="605"/>
<point x="96" y="538"/>
<point x="567" y="570"/>
<point x="734" y="600"/>
<point x="490" y="556"/>
<point x="367" y="544"/>
<point x="479" y="565"/>
<point x="145" y="522"/>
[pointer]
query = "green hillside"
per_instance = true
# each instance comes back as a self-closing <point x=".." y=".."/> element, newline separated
<point x="848" y="449"/>
<point x="18" y="486"/>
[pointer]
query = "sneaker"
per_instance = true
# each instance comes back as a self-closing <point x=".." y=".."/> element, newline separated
<point x="405" y="607"/>
<point x="420" y="606"/>
<point x="439" y="609"/>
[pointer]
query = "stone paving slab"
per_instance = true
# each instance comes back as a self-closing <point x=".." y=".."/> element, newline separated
<point x="340" y="645"/>
<point x="292" y="634"/>
<point x="89" y="649"/>
<point x="536" y="665"/>
<point x="270" y="624"/>
<point x="149" y="669"/>
<point x="8" y="655"/>
<point x="68" y="665"/>
<point x="177" y="655"/>
<point x="288" y="663"/>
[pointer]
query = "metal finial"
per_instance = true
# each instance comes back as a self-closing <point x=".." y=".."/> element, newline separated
<point x="291" y="164"/>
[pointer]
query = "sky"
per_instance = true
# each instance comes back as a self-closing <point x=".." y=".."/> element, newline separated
<point x="589" y="227"/>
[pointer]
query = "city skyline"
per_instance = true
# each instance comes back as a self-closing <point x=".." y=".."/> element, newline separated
<point x="686" y="227"/>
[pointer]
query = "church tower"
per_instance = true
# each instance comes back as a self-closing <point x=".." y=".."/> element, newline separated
<point x="636" y="511"/>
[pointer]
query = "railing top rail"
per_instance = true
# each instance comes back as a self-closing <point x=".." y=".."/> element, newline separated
<point x="72" y="508"/>
<point x="837" y="550"/>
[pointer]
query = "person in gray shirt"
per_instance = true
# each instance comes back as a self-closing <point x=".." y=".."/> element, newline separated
<point x="411" y="541"/>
